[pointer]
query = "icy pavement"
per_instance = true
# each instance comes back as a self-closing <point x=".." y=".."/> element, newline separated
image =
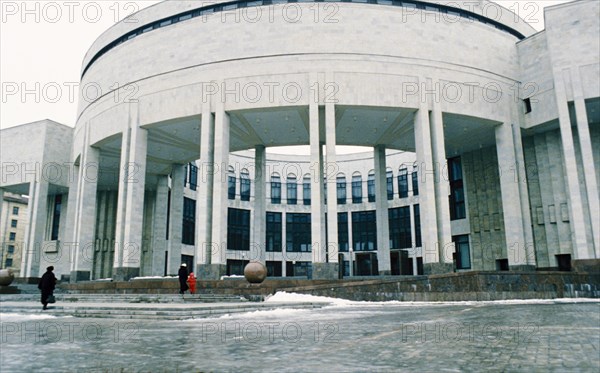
<point x="549" y="335"/>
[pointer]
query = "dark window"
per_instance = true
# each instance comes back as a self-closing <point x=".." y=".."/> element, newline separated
<point x="13" y="223"/>
<point x="399" y="223"/>
<point x="273" y="231"/>
<point x="390" y="184"/>
<point x="56" y="217"/>
<point x="188" y="227"/>
<point x="356" y="189"/>
<point x="297" y="268"/>
<point x="193" y="177"/>
<point x="527" y="103"/>
<point x="15" y="211"/>
<point x="564" y="262"/>
<point x="236" y="267"/>
<point x="341" y="190"/>
<point x="231" y="187"/>
<point x="371" y="187"/>
<point x="245" y="186"/>
<point x="457" y="195"/>
<point x="463" y="254"/>
<point x="292" y="190"/>
<point x="298" y="234"/>
<point x="502" y="265"/>
<point x="415" y="182"/>
<point x="11" y="249"/>
<point x="403" y="183"/>
<point x="364" y="231"/>
<point x="275" y="189"/>
<point x="343" y="241"/>
<point x="420" y="270"/>
<point x="346" y="268"/>
<point x="12" y="236"/>
<point x="9" y="262"/>
<point x="273" y="269"/>
<point x="306" y="190"/>
<point x="417" y="213"/>
<point x="238" y="229"/>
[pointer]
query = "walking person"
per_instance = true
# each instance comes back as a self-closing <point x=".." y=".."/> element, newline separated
<point x="192" y="283"/>
<point x="47" y="285"/>
<point x="183" y="275"/>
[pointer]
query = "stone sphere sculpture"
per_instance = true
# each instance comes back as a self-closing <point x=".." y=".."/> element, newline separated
<point x="255" y="272"/>
<point x="6" y="277"/>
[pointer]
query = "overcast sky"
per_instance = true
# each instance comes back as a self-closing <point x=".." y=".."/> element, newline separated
<point x="49" y="50"/>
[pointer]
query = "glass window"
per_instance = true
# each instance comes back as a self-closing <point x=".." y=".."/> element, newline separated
<point x="417" y="214"/>
<point x="238" y="229"/>
<point x="415" y="181"/>
<point x="11" y="249"/>
<point x="457" y="196"/>
<point x="371" y="187"/>
<point x="275" y="189"/>
<point x="298" y="232"/>
<point x="13" y="223"/>
<point x="245" y="185"/>
<point x="273" y="269"/>
<point x="403" y="183"/>
<point x="297" y="268"/>
<point x="12" y="236"/>
<point x="364" y="231"/>
<point x="56" y="217"/>
<point x="236" y="267"/>
<point x="306" y="190"/>
<point x="188" y="227"/>
<point x="343" y="241"/>
<point x="15" y="211"/>
<point x="356" y="188"/>
<point x="399" y="223"/>
<point x="273" y="231"/>
<point x="193" y="176"/>
<point x="9" y="262"/>
<point x="462" y="251"/>
<point x="231" y="184"/>
<point x="390" y="184"/>
<point x="292" y="190"/>
<point x="341" y="190"/>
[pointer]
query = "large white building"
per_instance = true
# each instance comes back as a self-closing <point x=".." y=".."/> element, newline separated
<point x="483" y="142"/>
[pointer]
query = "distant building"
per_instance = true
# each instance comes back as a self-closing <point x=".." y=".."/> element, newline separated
<point x="13" y="225"/>
<point x="483" y="141"/>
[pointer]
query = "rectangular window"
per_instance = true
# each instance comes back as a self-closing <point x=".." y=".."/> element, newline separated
<point x="245" y="188"/>
<point x="193" y="178"/>
<point x="275" y="192"/>
<point x="403" y="183"/>
<point x="298" y="233"/>
<point x="417" y="213"/>
<point x="273" y="231"/>
<point x="297" y="269"/>
<point x="12" y="236"/>
<point x="527" y="103"/>
<point x="9" y="262"/>
<point x="415" y="183"/>
<point x="11" y="249"/>
<point x="292" y="193"/>
<point x="188" y="227"/>
<point x="15" y="211"/>
<point x="457" y="195"/>
<point x="364" y="231"/>
<point x="238" y="229"/>
<point x="231" y="187"/>
<point x="462" y="252"/>
<point x="56" y="217"/>
<point x="306" y="192"/>
<point x="343" y="241"/>
<point x="390" y="185"/>
<point x="13" y="223"/>
<point x="371" y="188"/>
<point x="273" y="269"/>
<point x="399" y="223"/>
<point x="356" y="189"/>
<point x="341" y="190"/>
<point x="236" y="267"/>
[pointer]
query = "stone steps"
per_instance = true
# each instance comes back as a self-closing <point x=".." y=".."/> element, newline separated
<point x="130" y="298"/>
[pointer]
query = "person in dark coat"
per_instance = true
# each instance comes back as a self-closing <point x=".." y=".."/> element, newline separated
<point x="47" y="285"/>
<point x="183" y="275"/>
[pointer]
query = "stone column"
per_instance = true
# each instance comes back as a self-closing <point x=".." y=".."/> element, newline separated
<point x="317" y="203"/>
<point x="218" y="266"/>
<point x="381" y="211"/>
<point x="84" y="231"/>
<point x="175" y="219"/>
<point x="581" y="249"/>
<point x="260" y="202"/>
<point x="429" y="230"/>
<point x="511" y="200"/>
<point x="442" y="188"/>
<point x="204" y="201"/>
<point x="159" y="231"/>
<point x="38" y="205"/>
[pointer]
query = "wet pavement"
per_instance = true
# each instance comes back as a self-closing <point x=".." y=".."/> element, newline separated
<point x="561" y="336"/>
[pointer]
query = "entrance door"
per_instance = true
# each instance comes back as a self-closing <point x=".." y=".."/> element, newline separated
<point x="366" y="264"/>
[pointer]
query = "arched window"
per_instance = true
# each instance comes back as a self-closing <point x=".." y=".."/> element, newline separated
<point x="292" y="189"/>
<point x="245" y="185"/>
<point x="371" y="186"/>
<point x="341" y="189"/>
<point x="415" y="180"/>
<point x="275" y="188"/>
<point x="403" y="182"/>
<point x="231" y="183"/>
<point x="390" y="183"/>
<point x="356" y="187"/>
<point x="306" y="189"/>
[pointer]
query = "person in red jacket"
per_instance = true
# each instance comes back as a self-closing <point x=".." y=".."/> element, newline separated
<point x="192" y="283"/>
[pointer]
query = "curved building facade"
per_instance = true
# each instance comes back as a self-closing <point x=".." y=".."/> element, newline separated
<point x="482" y="142"/>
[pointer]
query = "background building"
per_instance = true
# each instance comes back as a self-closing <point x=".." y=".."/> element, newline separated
<point x="13" y="224"/>
<point x="482" y="135"/>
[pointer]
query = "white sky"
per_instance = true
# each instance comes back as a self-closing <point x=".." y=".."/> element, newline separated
<point x="48" y="51"/>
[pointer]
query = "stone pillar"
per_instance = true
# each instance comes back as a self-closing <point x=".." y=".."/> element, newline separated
<point x="218" y="266"/>
<point x="442" y="188"/>
<point x="381" y="210"/>
<point x="204" y="201"/>
<point x="260" y="202"/>
<point x="159" y="230"/>
<point x="317" y="203"/>
<point x="581" y="249"/>
<point x="84" y="231"/>
<point x="511" y="200"/>
<point x="38" y="206"/>
<point x="589" y="171"/>
<point x="175" y="219"/>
